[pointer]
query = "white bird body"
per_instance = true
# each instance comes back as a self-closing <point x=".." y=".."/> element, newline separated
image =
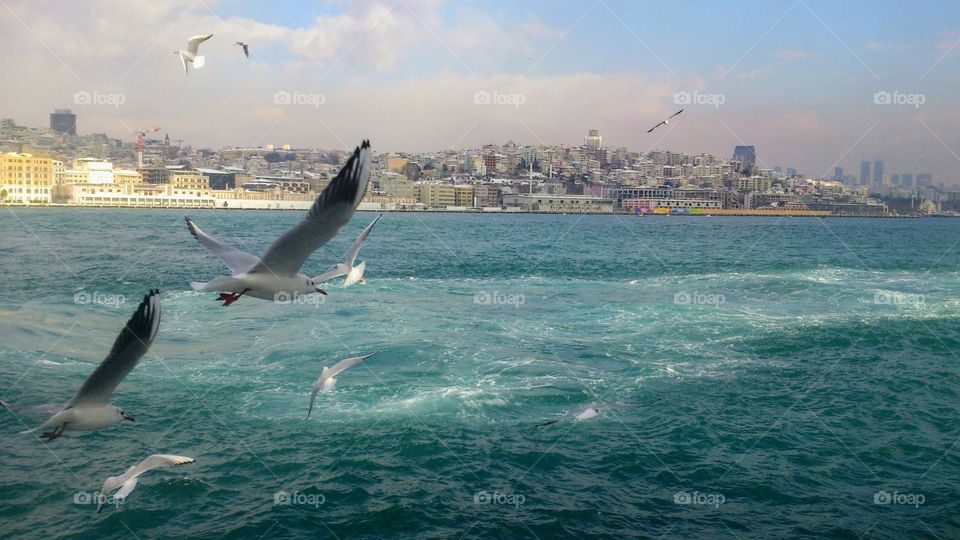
<point x="128" y="480"/>
<point x="192" y="54"/>
<point x="260" y="285"/>
<point x="89" y="410"/>
<point x="354" y="273"/>
<point x="328" y="381"/>
<point x="276" y="276"/>
<point x="587" y="413"/>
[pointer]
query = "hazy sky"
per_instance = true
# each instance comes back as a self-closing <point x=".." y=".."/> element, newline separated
<point x="795" y="78"/>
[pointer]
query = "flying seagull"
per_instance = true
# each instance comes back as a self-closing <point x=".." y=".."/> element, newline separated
<point x="128" y="480"/>
<point x="88" y="410"/>
<point x="190" y="55"/>
<point x="277" y="275"/>
<point x="592" y="410"/>
<point x="665" y="122"/>
<point x="346" y="268"/>
<point x="246" y="48"/>
<point x="327" y="379"/>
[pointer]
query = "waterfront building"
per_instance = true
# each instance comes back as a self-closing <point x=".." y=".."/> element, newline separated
<point x="26" y="179"/>
<point x="574" y="204"/>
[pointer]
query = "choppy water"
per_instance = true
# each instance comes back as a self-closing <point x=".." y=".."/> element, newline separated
<point x="806" y="367"/>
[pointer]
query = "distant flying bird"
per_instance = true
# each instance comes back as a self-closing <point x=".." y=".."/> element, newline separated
<point x="190" y="55"/>
<point x="277" y="275"/>
<point x="592" y="410"/>
<point x="246" y="48"/>
<point x="346" y="268"/>
<point x="128" y="480"/>
<point x="327" y="379"/>
<point x="665" y="122"/>
<point x="88" y="410"/>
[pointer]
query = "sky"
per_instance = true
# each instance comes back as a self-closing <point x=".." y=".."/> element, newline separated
<point x="812" y="84"/>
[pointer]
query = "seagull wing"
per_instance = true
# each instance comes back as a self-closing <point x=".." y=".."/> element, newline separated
<point x="158" y="461"/>
<point x="344" y="364"/>
<point x="329" y="275"/>
<point x="355" y="250"/>
<point x="130" y="346"/>
<point x="126" y="489"/>
<point x="246" y="50"/>
<point x="193" y="44"/>
<point x="313" y="394"/>
<point x="332" y="210"/>
<point x="237" y="261"/>
<point x="184" y="62"/>
<point x="675" y="114"/>
<point x="655" y="127"/>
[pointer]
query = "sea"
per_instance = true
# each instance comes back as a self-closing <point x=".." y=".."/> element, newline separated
<point x="768" y="377"/>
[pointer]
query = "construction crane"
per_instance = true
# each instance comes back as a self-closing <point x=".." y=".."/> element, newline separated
<point x="141" y="133"/>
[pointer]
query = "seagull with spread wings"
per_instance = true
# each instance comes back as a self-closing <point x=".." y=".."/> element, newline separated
<point x="346" y="268"/>
<point x="89" y="410"/>
<point x="665" y="122"/>
<point x="245" y="47"/>
<point x="277" y="275"/>
<point x="593" y="410"/>
<point x="328" y="380"/>
<point x="192" y="54"/>
<point x="128" y="480"/>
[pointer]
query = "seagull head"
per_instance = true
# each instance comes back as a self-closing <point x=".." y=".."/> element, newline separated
<point x="123" y="415"/>
<point x="312" y="283"/>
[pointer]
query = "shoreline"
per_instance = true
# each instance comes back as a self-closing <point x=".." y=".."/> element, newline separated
<point x="738" y="213"/>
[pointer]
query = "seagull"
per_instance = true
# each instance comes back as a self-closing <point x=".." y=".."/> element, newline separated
<point x="593" y="410"/>
<point x="277" y="275"/>
<point x="128" y="480"/>
<point x="88" y="410"/>
<point x="346" y="268"/>
<point x="327" y="379"/>
<point x="190" y="55"/>
<point x="665" y="122"/>
<point x="246" y="48"/>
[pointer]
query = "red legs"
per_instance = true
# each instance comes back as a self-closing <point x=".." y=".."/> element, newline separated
<point x="229" y="298"/>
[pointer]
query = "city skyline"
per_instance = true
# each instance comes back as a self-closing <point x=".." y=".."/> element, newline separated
<point x="811" y="85"/>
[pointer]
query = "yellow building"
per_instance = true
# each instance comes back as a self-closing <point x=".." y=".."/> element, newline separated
<point x="437" y="195"/>
<point x="25" y="179"/>
<point x="463" y="196"/>
<point x="397" y="164"/>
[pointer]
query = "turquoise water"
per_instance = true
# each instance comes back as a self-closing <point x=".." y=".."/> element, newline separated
<point x="806" y="367"/>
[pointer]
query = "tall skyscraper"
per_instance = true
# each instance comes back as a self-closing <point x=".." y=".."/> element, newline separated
<point x="895" y="179"/>
<point x="838" y="173"/>
<point x="924" y="180"/>
<point x="593" y="140"/>
<point x="791" y="172"/>
<point x="747" y="156"/>
<point x="877" y="173"/>
<point x="906" y="179"/>
<point x="864" y="173"/>
<point x="63" y="121"/>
